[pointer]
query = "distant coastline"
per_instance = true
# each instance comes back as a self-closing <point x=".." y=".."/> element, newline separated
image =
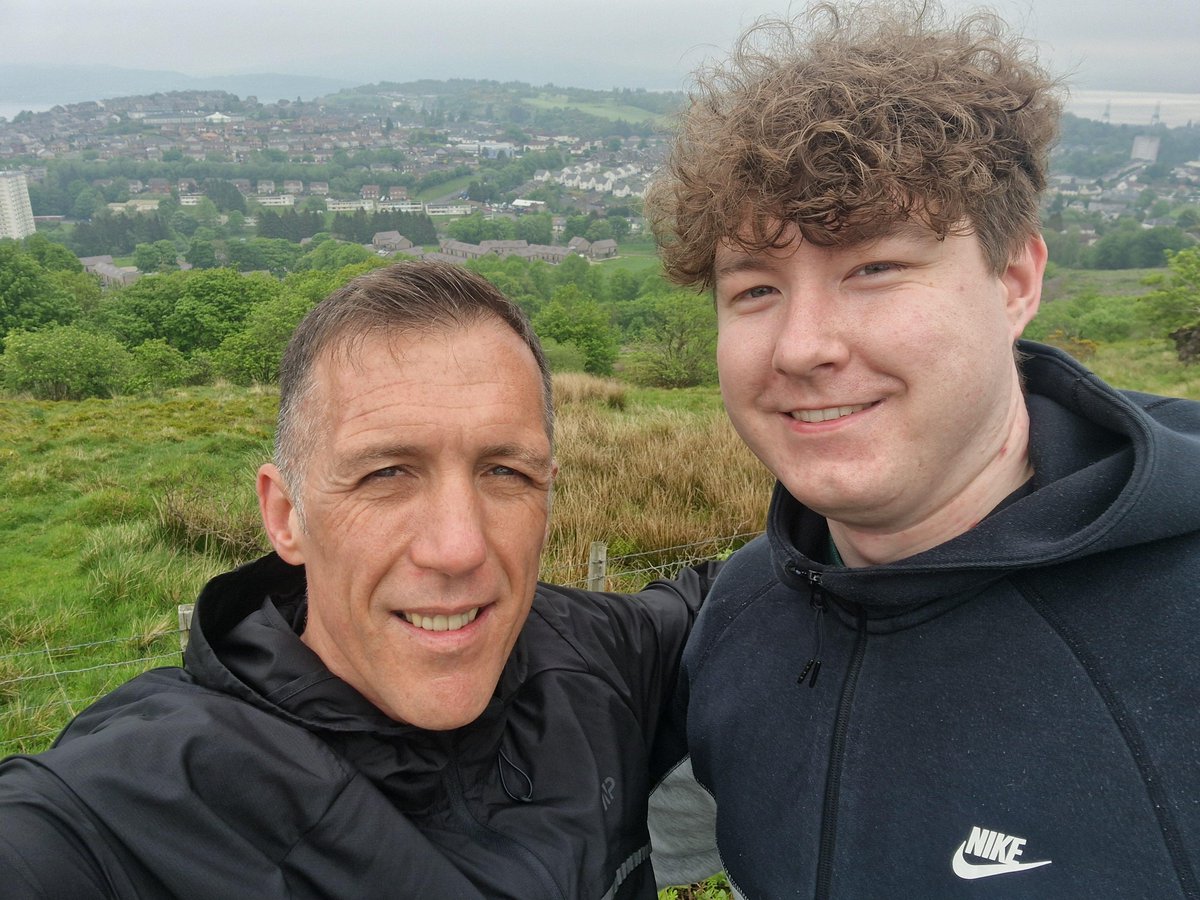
<point x="1136" y="107"/>
<point x="1122" y="107"/>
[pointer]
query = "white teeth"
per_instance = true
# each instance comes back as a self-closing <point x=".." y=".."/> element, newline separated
<point x="824" y="415"/>
<point x="442" y="623"/>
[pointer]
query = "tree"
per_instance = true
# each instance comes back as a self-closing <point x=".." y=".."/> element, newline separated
<point x="145" y="257"/>
<point x="1175" y="304"/>
<point x="202" y="254"/>
<point x="64" y="362"/>
<point x="168" y="255"/>
<point x="252" y="355"/>
<point x="676" y="347"/>
<point x="51" y="256"/>
<point x="212" y="305"/>
<point x="536" y="228"/>
<point x="29" y="297"/>
<point x="223" y="193"/>
<point x="332" y="255"/>
<point x="599" y="230"/>
<point x="572" y="317"/>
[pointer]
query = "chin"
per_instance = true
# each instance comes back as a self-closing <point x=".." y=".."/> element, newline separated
<point x="445" y="717"/>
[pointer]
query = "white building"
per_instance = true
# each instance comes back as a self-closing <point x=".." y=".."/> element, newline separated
<point x="16" y="215"/>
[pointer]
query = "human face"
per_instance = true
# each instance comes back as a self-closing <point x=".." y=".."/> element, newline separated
<point x="877" y="380"/>
<point x="425" y="510"/>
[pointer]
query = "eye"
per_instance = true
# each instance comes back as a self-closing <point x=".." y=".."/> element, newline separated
<point x="759" y="290"/>
<point x="507" y="472"/>
<point x="387" y="472"/>
<point x="877" y="268"/>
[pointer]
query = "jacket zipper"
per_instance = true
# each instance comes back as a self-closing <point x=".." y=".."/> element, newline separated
<point x="837" y="756"/>
<point x="489" y="837"/>
<point x="812" y="668"/>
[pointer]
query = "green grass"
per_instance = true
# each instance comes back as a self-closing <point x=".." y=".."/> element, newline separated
<point x="1150" y="366"/>
<point x="90" y="570"/>
<point x="610" y="111"/>
<point x="454" y="186"/>
<point x="637" y="256"/>
<point x="1067" y="283"/>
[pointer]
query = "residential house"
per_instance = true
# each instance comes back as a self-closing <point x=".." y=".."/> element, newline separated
<point x="390" y="242"/>
<point x="605" y="249"/>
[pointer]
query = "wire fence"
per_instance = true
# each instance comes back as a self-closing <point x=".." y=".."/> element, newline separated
<point x="163" y="647"/>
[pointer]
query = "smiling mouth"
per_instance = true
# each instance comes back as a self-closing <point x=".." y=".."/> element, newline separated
<point x="831" y="412"/>
<point x="441" y="623"/>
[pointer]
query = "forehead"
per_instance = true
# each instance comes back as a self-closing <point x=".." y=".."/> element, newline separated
<point x="482" y="372"/>
<point x="739" y="253"/>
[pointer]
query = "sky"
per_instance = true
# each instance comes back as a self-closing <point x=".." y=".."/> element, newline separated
<point x="655" y="44"/>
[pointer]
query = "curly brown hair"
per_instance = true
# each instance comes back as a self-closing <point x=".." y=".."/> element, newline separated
<point x="850" y="119"/>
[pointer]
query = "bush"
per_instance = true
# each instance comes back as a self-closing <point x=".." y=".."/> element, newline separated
<point x="677" y="342"/>
<point x="156" y="365"/>
<point x="252" y="355"/>
<point x="65" y="363"/>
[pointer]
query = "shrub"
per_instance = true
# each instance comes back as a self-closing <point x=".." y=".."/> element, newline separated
<point x="65" y="363"/>
<point x="156" y="365"/>
<point x="252" y="355"/>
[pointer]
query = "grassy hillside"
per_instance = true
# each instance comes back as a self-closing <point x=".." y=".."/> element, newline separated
<point x="117" y="511"/>
<point x="606" y="109"/>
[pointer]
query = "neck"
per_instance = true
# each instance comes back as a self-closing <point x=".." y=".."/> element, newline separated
<point x="1008" y="469"/>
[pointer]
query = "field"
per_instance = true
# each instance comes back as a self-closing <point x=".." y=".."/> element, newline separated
<point x="610" y="111"/>
<point x="637" y="257"/>
<point x="117" y="511"/>
<point x="1066" y="283"/>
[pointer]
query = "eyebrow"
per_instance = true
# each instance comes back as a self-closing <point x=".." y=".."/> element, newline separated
<point x="389" y="452"/>
<point x="731" y="261"/>
<point x="736" y="261"/>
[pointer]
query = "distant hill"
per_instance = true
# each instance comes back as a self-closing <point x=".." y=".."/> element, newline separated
<point x="41" y="87"/>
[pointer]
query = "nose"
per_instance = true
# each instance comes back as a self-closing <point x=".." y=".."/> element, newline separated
<point x="810" y="336"/>
<point x="449" y="535"/>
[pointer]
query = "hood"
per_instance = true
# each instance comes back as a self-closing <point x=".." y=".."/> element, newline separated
<point x="245" y="641"/>
<point x="1112" y="469"/>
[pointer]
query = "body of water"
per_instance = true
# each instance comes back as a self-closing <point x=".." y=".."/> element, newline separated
<point x="1135" y="107"/>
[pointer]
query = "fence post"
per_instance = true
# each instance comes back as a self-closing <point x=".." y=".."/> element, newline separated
<point x="598" y="566"/>
<point x="185" y="624"/>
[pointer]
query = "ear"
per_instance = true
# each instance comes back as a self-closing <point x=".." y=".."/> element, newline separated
<point x="1022" y="281"/>
<point x="279" y="515"/>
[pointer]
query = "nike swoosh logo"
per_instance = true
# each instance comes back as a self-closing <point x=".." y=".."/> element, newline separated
<point x="970" y="871"/>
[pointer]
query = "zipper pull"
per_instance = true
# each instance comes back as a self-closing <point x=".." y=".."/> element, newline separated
<point x="812" y="668"/>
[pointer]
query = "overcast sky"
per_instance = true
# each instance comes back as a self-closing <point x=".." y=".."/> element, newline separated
<point x="1109" y="44"/>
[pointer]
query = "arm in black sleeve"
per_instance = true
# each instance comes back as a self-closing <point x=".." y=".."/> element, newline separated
<point x="46" y="842"/>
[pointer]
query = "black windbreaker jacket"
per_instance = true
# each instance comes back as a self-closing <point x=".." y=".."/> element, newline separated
<point x="254" y="772"/>
<point x="1015" y="713"/>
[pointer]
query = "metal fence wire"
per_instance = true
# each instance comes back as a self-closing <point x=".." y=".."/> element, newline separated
<point x="604" y="573"/>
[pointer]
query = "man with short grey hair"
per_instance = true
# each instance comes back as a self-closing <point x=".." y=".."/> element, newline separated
<point x="390" y="705"/>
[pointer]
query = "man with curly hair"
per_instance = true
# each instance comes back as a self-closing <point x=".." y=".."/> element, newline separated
<point x="965" y="648"/>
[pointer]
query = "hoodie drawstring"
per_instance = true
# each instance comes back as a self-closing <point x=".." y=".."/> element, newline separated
<point x="500" y="762"/>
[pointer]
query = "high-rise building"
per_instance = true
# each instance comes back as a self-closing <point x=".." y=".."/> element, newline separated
<point x="16" y="215"/>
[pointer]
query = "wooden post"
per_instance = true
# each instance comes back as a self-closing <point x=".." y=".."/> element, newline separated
<point x="185" y="624"/>
<point x="598" y="566"/>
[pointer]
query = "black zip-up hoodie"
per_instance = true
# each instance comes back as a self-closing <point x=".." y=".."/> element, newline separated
<point x="1015" y="713"/>
<point x="254" y="772"/>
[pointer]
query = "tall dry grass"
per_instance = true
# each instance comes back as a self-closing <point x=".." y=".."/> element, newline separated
<point x="657" y="484"/>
